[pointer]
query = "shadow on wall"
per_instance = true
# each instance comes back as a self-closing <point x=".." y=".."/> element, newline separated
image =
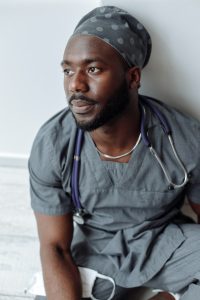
<point x="173" y="71"/>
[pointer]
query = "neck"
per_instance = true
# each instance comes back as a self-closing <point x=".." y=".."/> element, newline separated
<point x="120" y="134"/>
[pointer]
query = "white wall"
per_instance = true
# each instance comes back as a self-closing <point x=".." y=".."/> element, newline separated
<point x="173" y="71"/>
<point x="33" y="37"/>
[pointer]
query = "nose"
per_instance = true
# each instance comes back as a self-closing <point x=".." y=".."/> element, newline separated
<point x="78" y="83"/>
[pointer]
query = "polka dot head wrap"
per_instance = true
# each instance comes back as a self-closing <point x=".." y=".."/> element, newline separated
<point x="120" y="30"/>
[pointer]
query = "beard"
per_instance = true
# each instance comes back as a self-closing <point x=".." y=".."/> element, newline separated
<point x="115" y="106"/>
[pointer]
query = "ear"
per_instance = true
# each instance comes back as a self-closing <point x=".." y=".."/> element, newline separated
<point x="134" y="76"/>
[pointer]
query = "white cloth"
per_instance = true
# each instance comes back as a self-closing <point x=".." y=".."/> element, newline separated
<point x="88" y="277"/>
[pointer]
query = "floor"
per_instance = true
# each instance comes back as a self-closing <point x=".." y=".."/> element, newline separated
<point x="19" y="258"/>
<point x="19" y="248"/>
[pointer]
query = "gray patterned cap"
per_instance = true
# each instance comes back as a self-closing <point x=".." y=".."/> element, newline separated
<point x="120" y="30"/>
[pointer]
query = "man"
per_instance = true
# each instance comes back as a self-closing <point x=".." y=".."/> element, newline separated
<point x="132" y="230"/>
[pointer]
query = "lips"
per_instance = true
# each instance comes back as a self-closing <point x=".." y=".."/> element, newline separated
<point x="81" y="106"/>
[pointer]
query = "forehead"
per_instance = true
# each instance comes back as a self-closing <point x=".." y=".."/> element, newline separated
<point x="83" y="47"/>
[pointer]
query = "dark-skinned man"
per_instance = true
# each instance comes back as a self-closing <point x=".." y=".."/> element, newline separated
<point x="119" y="165"/>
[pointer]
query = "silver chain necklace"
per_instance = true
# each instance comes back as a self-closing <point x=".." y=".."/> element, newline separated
<point x="122" y="155"/>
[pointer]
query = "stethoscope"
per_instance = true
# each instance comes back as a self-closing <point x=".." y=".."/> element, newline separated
<point x="79" y="211"/>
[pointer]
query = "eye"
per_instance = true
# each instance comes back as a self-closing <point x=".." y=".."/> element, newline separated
<point x="94" y="70"/>
<point x="68" y="72"/>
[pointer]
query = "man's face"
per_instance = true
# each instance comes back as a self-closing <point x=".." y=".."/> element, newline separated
<point x="94" y="81"/>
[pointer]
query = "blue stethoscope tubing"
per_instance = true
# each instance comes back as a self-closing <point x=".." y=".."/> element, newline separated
<point x="79" y="211"/>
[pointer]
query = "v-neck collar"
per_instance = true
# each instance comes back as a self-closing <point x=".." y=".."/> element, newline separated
<point x="100" y="171"/>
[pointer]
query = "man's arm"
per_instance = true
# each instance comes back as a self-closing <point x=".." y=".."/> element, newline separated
<point x="196" y="209"/>
<point x="61" y="276"/>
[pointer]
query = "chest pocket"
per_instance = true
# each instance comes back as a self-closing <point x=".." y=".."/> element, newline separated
<point x="154" y="194"/>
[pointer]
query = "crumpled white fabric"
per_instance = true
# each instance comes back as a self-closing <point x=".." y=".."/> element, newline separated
<point x="36" y="285"/>
<point x="88" y="277"/>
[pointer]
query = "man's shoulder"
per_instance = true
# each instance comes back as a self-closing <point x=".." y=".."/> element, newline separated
<point x="60" y="124"/>
<point x="50" y="165"/>
<point x="57" y="129"/>
<point x="54" y="141"/>
<point x="175" y="117"/>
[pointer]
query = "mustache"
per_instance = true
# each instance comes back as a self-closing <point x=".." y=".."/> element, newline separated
<point x="81" y="97"/>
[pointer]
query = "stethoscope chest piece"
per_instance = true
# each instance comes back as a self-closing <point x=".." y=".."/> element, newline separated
<point x="78" y="217"/>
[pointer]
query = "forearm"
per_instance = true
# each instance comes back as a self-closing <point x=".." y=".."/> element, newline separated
<point x="61" y="276"/>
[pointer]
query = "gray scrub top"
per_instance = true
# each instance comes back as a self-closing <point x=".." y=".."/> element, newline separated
<point x="132" y="227"/>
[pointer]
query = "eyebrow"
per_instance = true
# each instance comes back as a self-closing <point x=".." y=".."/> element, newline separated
<point x="85" y="61"/>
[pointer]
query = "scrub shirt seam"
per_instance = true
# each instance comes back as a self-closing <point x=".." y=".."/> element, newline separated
<point x="51" y="210"/>
<point x="53" y="155"/>
<point x="133" y="190"/>
<point x="32" y="172"/>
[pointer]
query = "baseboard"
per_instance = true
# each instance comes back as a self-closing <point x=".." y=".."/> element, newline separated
<point x="13" y="160"/>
